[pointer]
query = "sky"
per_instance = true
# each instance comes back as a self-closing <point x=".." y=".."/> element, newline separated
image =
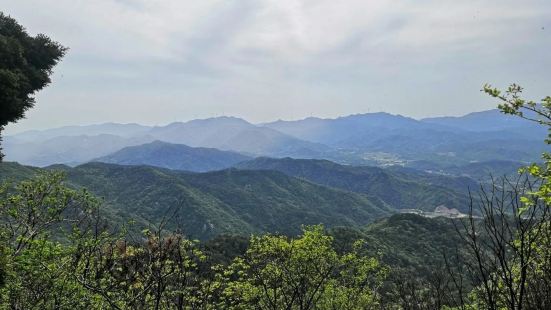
<point x="154" y="62"/>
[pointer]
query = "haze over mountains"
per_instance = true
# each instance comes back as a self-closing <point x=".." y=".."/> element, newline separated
<point x="480" y="136"/>
<point x="174" y="156"/>
<point x="226" y="175"/>
<point x="362" y="139"/>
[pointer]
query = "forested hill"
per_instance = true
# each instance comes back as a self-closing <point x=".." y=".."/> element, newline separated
<point x="174" y="156"/>
<point x="412" y="241"/>
<point x="262" y="195"/>
<point x="403" y="241"/>
<point x="203" y="205"/>
<point x="400" y="188"/>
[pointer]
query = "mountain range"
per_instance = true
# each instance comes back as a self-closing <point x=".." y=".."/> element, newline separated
<point x="364" y="139"/>
<point x="203" y="205"/>
<point x="403" y="189"/>
<point x="259" y="195"/>
<point x="397" y="187"/>
<point x="480" y="136"/>
<point x="228" y="176"/>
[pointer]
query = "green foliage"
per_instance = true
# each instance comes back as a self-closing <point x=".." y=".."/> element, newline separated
<point x="41" y="206"/>
<point x="418" y="252"/>
<point x="26" y="64"/>
<point x="223" y="249"/>
<point x="514" y="268"/>
<point x="400" y="189"/>
<point x="357" y="284"/>
<point x="162" y="272"/>
<point x="35" y="265"/>
<point x="304" y="273"/>
<point x="412" y="242"/>
<point x="223" y="202"/>
<point x="88" y="267"/>
<point x="540" y="112"/>
<point x="539" y="275"/>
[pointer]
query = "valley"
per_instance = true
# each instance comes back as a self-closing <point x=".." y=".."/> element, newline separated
<point x="376" y="139"/>
<point x="275" y="155"/>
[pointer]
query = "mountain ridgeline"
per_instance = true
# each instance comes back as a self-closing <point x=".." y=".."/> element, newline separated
<point x="174" y="156"/>
<point x="364" y="139"/>
<point x="203" y="205"/>
<point x="206" y="178"/>
<point x="401" y="189"/>
<point x="365" y="211"/>
<point x="259" y="195"/>
<point x="479" y="136"/>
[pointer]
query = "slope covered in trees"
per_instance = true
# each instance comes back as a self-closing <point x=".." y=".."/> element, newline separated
<point x="95" y="269"/>
<point x="203" y="205"/>
<point x="63" y="248"/>
<point x="401" y="189"/>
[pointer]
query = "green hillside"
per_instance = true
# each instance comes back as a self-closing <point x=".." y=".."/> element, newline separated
<point x="401" y="189"/>
<point x="403" y="241"/>
<point x="204" y="205"/>
<point x="10" y="171"/>
<point x="409" y="240"/>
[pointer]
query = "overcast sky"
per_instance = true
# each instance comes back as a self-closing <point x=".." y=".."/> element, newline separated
<point x="155" y="62"/>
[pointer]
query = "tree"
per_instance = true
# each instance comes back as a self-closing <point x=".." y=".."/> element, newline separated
<point x="160" y="272"/>
<point x="35" y="266"/>
<point x="57" y="252"/>
<point x="539" y="112"/>
<point x="503" y="243"/>
<point x="303" y="273"/>
<point x="26" y="64"/>
<point x="510" y="250"/>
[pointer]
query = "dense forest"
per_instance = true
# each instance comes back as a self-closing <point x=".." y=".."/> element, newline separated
<point x="63" y="247"/>
<point x="168" y="226"/>
<point x="60" y="251"/>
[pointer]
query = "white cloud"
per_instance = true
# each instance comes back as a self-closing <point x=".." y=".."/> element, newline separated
<point x="312" y="51"/>
<point x="289" y="30"/>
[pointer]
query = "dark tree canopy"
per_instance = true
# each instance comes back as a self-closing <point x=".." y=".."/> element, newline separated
<point x="26" y="64"/>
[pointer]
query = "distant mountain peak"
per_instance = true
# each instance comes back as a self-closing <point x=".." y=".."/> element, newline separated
<point x="174" y="156"/>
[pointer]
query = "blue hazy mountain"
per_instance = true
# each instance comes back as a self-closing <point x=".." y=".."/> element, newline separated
<point x="487" y="121"/>
<point x="65" y="145"/>
<point x="115" y="129"/>
<point x="480" y="136"/>
<point x="335" y="131"/>
<point x="235" y="134"/>
<point x="174" y="156"/>
<point x="361" y="139"/>
<point x="70" y="150"/>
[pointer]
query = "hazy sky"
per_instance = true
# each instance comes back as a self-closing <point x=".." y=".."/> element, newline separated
<point x="154" y="62"/>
